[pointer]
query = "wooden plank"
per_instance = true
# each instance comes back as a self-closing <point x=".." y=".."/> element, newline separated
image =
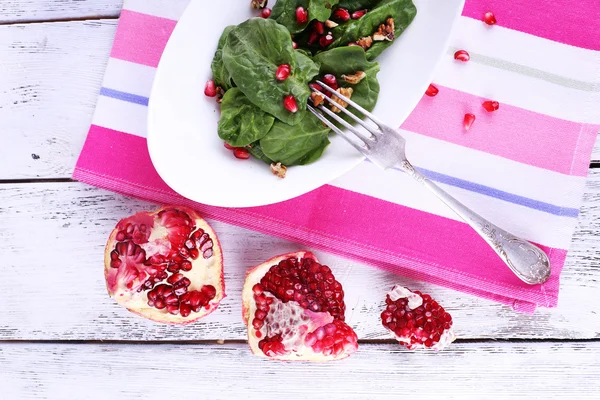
<point x="230" y="371"/>
<point x="53" y="238"/>
<point x="12" y="11"/>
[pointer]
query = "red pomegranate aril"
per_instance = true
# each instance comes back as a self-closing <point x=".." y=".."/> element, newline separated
<point x="185" y="310"/>
<point x="209" y="291"/>
<point x="341" y="14"/>
<point x="462" y="55"/>
<point x="358" y="14"/>
<point x="265" y="12"/>
<point x="331" y="81"/>
<point x="241" y="153"/>
<point x="319" y="27"/>
<point x="490" y="106"/>
<point x="289" y="102"/>
<point x="489" y="18"/>
<point x="431" y="91"/>
<point x="316" y="86"/>
<point x="312" y="38"/>
<point x="468" y="121"/>
<point x="301" y="15"/>
<point x="210" y="89"/>
<point x="283" y="72"/>
<point x="294" y="45"/>
<point x="326" y="40"/>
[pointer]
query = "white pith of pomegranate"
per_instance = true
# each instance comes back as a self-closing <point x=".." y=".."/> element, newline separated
<point x="416" y="320"/>
<point x="294" y="310"/>
<point x="165" y="265"/>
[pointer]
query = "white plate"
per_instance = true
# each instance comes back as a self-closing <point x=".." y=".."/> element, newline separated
<point x="182" y="122"/>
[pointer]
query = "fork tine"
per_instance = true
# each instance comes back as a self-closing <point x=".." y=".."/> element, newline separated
<point x="349" y="138"/>
<point x="353" y="104"/>
<point x="336" y="117"/>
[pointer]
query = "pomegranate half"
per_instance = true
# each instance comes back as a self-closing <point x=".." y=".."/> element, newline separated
<point x="165" y="265"/>
<point x="294" y="310"/>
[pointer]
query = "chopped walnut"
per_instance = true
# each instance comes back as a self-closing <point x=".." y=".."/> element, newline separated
<point x="330" y="24"/>
<point x="385" y="31"/>
<point x="317" y="98"/>
<point x="258" y="4"/>
<point x="354" y="79"/>
<point x="365" y="42"/>
<point x="220" y="341"/>
<point x="345" y="92"/>
<point x="220" y="94"/>
<point x="279" y="170"/>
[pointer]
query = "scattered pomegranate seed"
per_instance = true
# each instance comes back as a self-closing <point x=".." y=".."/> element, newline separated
<point x="289" y="102"/>
<point x="312" y="38"/>
<point x="283" y="72"/>
<point x="294" y="45"/>
<point x="316" y="86"/>
<point x="228" y="146"/>
<point x="491" y="106"/>
<point x="358" y="14"/>
<point x="462" y="55"/>
<point x="241" y="153"/>
<point x="431" y="91"/>
<point x="301" y="15"/>
<point x="468" y="121"/>
<point x="210" y="89"/>
<point x="326" y="40"/>
<point x="319" y="27"/>
<point x="331" y="81"/>
<point x="341" y="14"/>
<point x="489" y="18"/>
<point x="265" y="12"/>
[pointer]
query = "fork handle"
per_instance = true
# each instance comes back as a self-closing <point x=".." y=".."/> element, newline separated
<point x="526" y="260"/>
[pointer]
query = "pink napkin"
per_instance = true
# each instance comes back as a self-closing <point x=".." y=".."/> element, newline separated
<point x="523" y="166"/>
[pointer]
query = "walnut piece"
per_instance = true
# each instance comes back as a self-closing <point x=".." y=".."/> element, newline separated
<point x="279" y="170"/>
<point x="355" y="78"/>
<point x="365" y="42"/>
<point x="220" y="94"/>
<point x="258" y="4"/>
<point x="317" y="98"/>
<point x="385" y="31"/>
<point x="341" y="103"/>
<point x="330" y="24"/>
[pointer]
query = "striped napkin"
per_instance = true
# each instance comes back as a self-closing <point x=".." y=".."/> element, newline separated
<point x="523" y="166"/>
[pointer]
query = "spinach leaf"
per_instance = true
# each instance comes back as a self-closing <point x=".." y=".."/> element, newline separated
<point x="253" y="52"/>
<point x="241" y="121"/>
<point x="296" y="145"/>
<point x="256" y="150"/>
<point x="403" y="12"/>
<point x="284" y="12"/>
<point x="355" y="5"/>
<point x="220" y="74"/>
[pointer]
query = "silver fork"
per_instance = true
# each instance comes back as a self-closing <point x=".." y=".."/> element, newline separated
<point x="385" y="147"/>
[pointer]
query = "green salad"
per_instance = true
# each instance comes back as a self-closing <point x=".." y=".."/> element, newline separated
<point x="264" y="68"/>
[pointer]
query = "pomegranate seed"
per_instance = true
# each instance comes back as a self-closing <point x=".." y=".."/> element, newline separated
<point x="341" y="14"/>
<point x="289" y="102"/>
<point x="491" y="106"/>
<point x="462" y="55"/>
<point x="326" y="40"/>
<point x="312" y="38"/>
<point x="489" y="18"/>
<point x="185" y="310"/>
<point x="316" y="87"/>
<point x="283" y="72"/>
<point x="210" y="89"/>
<point x="432" y="91"/>
<point x="301" y="15"/>
<point x="331" y="81"/>
<point x="319" y="27"/>
<point x="241" y="153"/>
<point x="468" y="121"/>
<point x="265" y="12"/>
<point x="358" y="14"/>
<point x="294" y="45"/>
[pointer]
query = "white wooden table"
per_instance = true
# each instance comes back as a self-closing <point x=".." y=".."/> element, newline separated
<point x="62" y="337"/>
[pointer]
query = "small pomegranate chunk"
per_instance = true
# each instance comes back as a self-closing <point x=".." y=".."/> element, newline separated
<point x="489" y="18"/>
<point x="468" y="121"/>
<point x="462" y="55"/>
<point x="294" y="45"/>
<point x="289" y="102"/>
<point x="294" y="310"/>
<point x="312" y="38"/>
<point x="301" y="15"/>
<point x="416" y="320"/>
<point x="241" y="153"/>
<point x="265" y="12"/>
<point x="319" y="27"/>
<point x="326" y="40"/>
<point x="283" y="72"/>
<point x="331" y="81"/>
<point x="341" y="14"/>
<point x="490" y="106"/>
<point x="228" y="146"/>
<point x="210" y="90"/>
<point x="432" y="91"/>
<point x="165" y="266"/>
<point x="358" y="14"/>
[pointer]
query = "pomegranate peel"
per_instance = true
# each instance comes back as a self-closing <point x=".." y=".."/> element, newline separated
<point x="166" y="265"/>
<point x="294" y="310"/>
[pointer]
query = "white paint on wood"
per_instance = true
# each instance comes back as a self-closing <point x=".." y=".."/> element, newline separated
<point x="12" y="11"/>
<point x="53" y="238"/>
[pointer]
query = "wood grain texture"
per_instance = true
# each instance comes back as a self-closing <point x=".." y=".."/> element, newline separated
<point x="12" y="11"/>
<point x="229" y="371"/>
<point x="53" y="237"/>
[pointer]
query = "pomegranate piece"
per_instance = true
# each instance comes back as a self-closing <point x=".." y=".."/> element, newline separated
<point x="228" y="146"/>
<point x="319" y="27"/>
<point x="294" y="310"/>
<point x="312" y="38"/>
<point x="166" y="265"/>
<point x="241" y="153"/>
<point x="294" y="45"/>
<point x="326" y="40"/>
<point x="283" y="72"/>
<point x="301" y="15"/>
<point x="265" y="12"/>
<point x="416" y="320"/>
<point x="468" y="121"/>
<point x="462" y="55"/>
<point x="210" y="90"/>
<point x="489" y="18"/>
<point x="331" y="81"/>
<point x="341" y="14"/>
<point x="490" y="106"/>
<point x="358" y="14"/>
<point x="289" y="102"/>
<point x="432" y="91"/>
